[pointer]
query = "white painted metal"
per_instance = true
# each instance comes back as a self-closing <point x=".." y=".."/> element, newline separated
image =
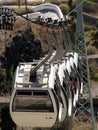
<point x="52" y="77"/>
<point x="81" y="89"/>
<point x="34" y="15"/>
<point x="73" y="58"/>
<point x="33" y="118"/>
<point x="61" y="69"/>
<point x="50" y="8"/>
<point x="60" y="112"/>
<point x="52" y="57"/>
<point x="26" y="118"/>
<point x="45" y="11"/>
<point x="76" y="59"/>
<point x="68" y="66"/>
<point x="70" y="107"/>
<point x="64" y="105"/>
<point x="61" y="74"/>
<point x="62" y="95"/>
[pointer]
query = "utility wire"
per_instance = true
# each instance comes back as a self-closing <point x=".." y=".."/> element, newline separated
<point x="75" y="8"/>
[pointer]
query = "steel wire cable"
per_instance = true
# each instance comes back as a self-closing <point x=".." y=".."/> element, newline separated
<point x="75" y="8"/>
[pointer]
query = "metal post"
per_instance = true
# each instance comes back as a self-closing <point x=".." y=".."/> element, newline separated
<point x="5" y="40"/>
<point x="85" y="101"/>
<point x="19" y="3"/>
<point x="26" y="8"/>
<point x="5" y="57"/>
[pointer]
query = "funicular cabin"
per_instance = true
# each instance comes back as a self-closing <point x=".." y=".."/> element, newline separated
<point x="33" y="104"/>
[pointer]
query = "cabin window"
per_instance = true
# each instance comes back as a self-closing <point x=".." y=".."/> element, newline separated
<point x="36" y="101"/>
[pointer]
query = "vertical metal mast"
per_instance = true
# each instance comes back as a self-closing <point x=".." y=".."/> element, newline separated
<point x="83" y="117"/>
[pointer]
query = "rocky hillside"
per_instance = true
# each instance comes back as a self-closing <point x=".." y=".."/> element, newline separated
<point x="22" y="47"/>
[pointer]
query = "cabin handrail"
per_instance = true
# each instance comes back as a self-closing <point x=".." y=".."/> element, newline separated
<point x="31" y="84"/>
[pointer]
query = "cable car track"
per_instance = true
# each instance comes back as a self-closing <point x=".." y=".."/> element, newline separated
<point x="58" y="45"/>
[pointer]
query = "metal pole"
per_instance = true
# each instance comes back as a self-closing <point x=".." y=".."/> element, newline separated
<point x="80" y="47"/>
<point x="5" y="40"/>
<point x="19" y="3"/>
<point x="5" y="57"/>
<point x="26" y="8"/>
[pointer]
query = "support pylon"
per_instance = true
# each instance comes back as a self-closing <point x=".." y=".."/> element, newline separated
<point x="83" y="117"/>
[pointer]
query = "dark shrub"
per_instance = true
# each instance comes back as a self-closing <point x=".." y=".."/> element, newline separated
<point x="6" y="121"/>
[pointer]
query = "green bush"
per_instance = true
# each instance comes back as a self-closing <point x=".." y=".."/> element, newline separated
<point x="94" y="77"/>
<point x="57" y="2"/>
<point x="95" y="38"/>
<point x="6" y="121"/>
<point x="89" y="6"/>
<point x="92" y="50"/>
<point x="92" y="34"/>
<point x="97" y="24"/>
<point x="20" y="2"/>
<point x="2" y="82"/>
<point x="22" y="11"/>
<point x="34" y="3"/>
<point x="70" y="3"/>
<point x="95" y="43"/>
<point x="10" y="3"/>
<point x="64" y="8"/>
<point x="92" y="66"/>
<point x="96" y="35"/>
<point x="89" y="27"/>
